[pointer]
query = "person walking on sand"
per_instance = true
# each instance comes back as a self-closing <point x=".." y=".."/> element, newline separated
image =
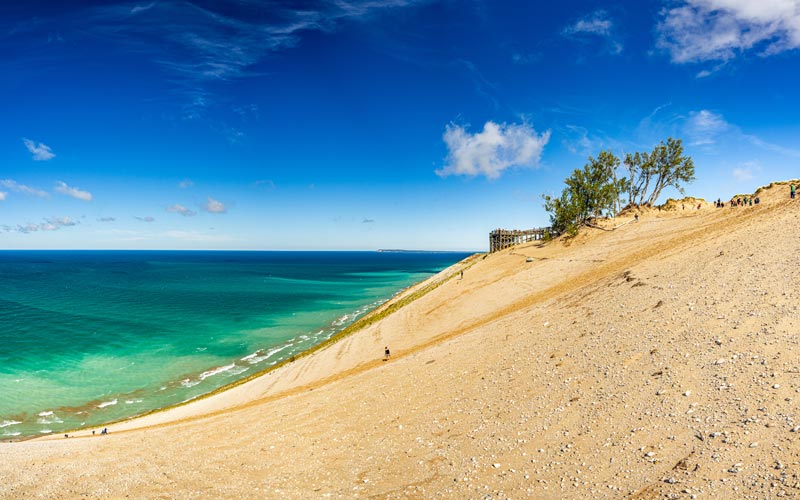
<point x="462" y="274"/>
<point x="386" y="353"/>
<point x="791" y="190"/>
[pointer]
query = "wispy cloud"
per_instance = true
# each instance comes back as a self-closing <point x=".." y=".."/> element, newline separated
<point x="180" y="209"/>
<point x="186" y="183"/>
<point x="3" y="195"/>
<point x="51" y="224"/>
<point x="214" y="206"/>
<point x="144" y="219"/>
<point x="578" y="141"/>
<point x="526" y="58"/>
<point x="141" y="8"/>
<point x="264" y="184"/>
<point x="41" y="152"/>
<point x="21" y="188"/>
<point x="368" y="221"/>
<point x="746" y="171"/>
<point x="704" y="126"/>
<point x="768" y="146"/>
<point x="483" y="87"/>
<point x="492" y="151"/>
<point x="200" y="43"/>
<point x="696" y="31"/>
<point x="106" y="219"/>
<point x="596" y="24"/>
<point x="63" y="188"/>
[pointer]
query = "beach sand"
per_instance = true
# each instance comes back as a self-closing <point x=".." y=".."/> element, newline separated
<point x="657" y="360"/>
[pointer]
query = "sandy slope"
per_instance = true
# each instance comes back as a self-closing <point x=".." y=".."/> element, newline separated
<point x="659" y="360"/>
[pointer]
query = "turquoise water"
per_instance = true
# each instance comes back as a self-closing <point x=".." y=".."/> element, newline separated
<point x="87" y="337"/>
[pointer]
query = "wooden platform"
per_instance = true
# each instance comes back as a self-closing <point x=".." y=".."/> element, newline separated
<point x="504" y="238"/>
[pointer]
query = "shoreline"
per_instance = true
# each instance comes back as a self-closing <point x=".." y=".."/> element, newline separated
<point x="628" y="363"/>
<point x="400" y="299"/>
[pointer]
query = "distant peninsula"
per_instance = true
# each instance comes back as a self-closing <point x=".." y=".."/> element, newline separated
<point x="400" y="250"/>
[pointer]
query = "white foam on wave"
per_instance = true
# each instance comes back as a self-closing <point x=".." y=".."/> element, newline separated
<point x="187" y="382"/>
<point x="47" y="421"/>
<point x="257" y="357"/>
<point x="45" y="413"/>
<point x="238" y="370"/>
<point x="7" y="423"/>
<point x="342" y="320"/>
<point x="107" y="403"/>
<point x="352" y="316"/>
<point x="216" y="371"/>
<point x="11" y="434"/>
<point x="132" y="401"/>
<point x="45" y="431"/>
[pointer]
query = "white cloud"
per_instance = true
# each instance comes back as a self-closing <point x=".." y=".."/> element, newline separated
<point x="41" y="152"/>
<point x="140" y="8"/>
<point x="577" y="140"/>
<point x="144" y="219"/>
<point x="21" y="188"/>
<point x="63" y="188"/>
<point x="599" y="24"/>
<point x="213" y="206"/>
<point x="63" y="221"/>
<point x="106" y="219"/>
<point x="746" y="172"/>
<point x="3" y="195"/>
<point x="186" y="183"/>
<point x="719" y="30"/>
<point x="180" y="209"/>
<point x="52" y="224"/>
<point x="492" y="151"/>
<point x="265" y="184"/>
<point x="768" y="146"/>
<point x="704" y="126"/>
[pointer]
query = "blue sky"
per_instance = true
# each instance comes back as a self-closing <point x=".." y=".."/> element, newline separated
<point x="362" y="125"/>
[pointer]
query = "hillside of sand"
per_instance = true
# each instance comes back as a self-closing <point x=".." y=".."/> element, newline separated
<point x="656" y="360"/>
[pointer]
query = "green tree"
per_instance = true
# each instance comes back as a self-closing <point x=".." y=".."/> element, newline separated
<point x="588" y="193"/>
<point x="669" y="167"/>
<point x="664" y="166"/>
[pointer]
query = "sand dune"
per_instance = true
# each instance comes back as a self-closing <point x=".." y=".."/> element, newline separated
<point x="657" y="360"/>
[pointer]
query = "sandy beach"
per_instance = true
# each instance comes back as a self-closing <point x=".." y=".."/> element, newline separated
<point x="656" y="359"/>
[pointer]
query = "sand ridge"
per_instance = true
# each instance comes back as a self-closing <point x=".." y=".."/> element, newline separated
<point x="657" y="360"/>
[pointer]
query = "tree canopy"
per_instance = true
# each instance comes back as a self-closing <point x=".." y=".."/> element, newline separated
<point x="595" y="188"/>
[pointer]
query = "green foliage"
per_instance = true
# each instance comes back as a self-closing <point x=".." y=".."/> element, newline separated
<point x="595" y="188"/>
<point x="589" y="192"/>
<point x="664" y="166"/>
